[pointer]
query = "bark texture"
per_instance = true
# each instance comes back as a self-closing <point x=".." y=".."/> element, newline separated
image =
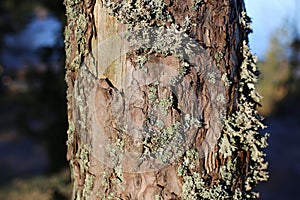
<point x="166" y="116"/>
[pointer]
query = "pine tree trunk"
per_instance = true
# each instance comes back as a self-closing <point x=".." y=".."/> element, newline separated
<point x="161" y="100"/>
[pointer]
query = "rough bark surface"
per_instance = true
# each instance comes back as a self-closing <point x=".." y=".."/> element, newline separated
<point x="138" y="133"/>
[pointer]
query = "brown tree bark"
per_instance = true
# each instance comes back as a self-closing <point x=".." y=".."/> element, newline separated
<point x="162" y="101"/>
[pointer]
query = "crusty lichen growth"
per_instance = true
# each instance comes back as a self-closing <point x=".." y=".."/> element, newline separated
<point x="195" y="186"/>
<point x="240" y="134"/>
<point x="88" y="185"/>
<point x="76" y="47"/>
<point x="138" y="13"/>
<point x="164" y="104"/>
<point x="196" y="4"/>
<point x="241" y="129"/>
<point x="114" y="180"/>
<point x="77" y="25"/>
<point x="84" y="165"/>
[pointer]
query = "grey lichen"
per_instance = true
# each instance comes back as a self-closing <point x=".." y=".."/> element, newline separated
<point x="138" y="13"/>
<point x="141" y="60"/>
<point x="88" y="184"/>
<point x="182" y="72"/>
<point x="221" y="98"/>
<point x="219" y="56"/>
<point x="104" y="181"/>
<point x="196" y="4"/>
<point x="194" y="185"/>
<point x="241" y="133"/>
<point x="226" y="80"/>
<point x="245" y="21"/>
<point x="165" y="145"/>
<point x="77" y="26"/>
<point x="212" y="77"/>
<point x="242" y="128"/>
<point x="164" y="104"/>
<point x="152" y="96"/>
<point x="115" y="152"/>
<point x="189" y="121"/>
<point x="84" y="163"/>
<point x="70" y="133"/>
<point x="226" y="147"/>
<point x="84" y="158"/>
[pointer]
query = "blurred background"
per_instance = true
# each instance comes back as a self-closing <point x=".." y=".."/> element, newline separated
<point x="33" y="106"/>
<point x="33" y="121"/>
<point x="276" y="41"/>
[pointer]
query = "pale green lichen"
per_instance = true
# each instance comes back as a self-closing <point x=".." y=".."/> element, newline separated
<point x="219" y="56"/>
<point x="148" y="33"/>
<point x="188" y="23"/>
<point x="191" y="155"/>
<point x="112" y="196"/>
<point x="138" y="13"/>
<point x="70" y="133"/>
<point x="212" y="77"/>
<point x="240" y="133"/>
<point x="75" y="50"/>
<point x="158" y="197"/>
<point x="225" y="79"/>
<point x="167" y="134"/>
<point x="115" y="154"/>
<point x="77" y="26"/>
<point x="245" y="21"/>
<point x="160" y="124"/>
<point x="182" y="72"/>
<point x="119" y="172"/>
<point x="114" y="181"/>
<point x="88" y="184"/>
<point x="189" y="162"/>
<point x="165" y="145"/>
<point x="189" y="121"/>
<point x="196" y="4"/>
<point x="84" y="158"/>
<point x="84" y="165"/>
<point x="194" y="186"/>
<point x="141" y="60"/>
<point x="164" y="104"/>
<point x="221" y="99"/>
<point x="104" y="182"/>
<point x="240" y="129"/>
<point x="152" y="96"/>
<point x="226" y="148"/>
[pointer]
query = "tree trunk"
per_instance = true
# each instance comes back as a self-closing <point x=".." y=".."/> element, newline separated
<point x="161" y="100"/>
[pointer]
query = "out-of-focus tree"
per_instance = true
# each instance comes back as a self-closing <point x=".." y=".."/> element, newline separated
<point x="275" y="71"/>
<point x="280" y="71"/>
<point x="13" y="18"/>
<point x="294" y="81"/>
<point x="31" y="34"/>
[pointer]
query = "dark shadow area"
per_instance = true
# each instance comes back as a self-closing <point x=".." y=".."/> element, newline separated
<point x="33" y="121"/>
